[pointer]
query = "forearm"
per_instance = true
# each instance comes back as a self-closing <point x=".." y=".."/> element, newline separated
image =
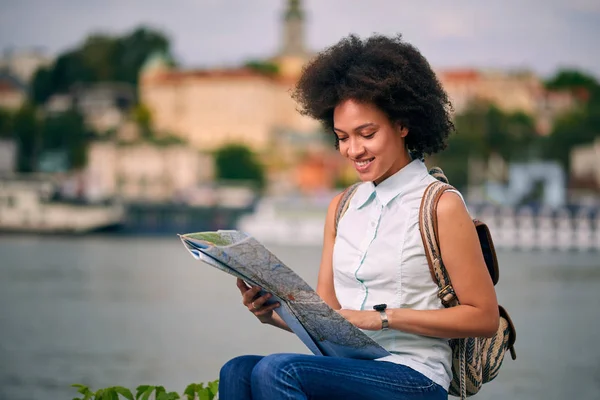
<point x="277" y="322"/>
<point x="455" y="322"/>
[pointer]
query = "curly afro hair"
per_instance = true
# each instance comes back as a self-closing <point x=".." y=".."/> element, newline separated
<point x="386" y="72"/>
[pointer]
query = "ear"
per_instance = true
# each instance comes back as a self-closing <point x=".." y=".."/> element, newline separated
<point x="403" y="130"/>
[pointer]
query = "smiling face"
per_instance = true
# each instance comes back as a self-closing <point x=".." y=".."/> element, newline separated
<point x="370" y="140"/>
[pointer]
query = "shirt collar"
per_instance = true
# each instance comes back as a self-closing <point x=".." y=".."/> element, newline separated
<point x="391" y="187"/>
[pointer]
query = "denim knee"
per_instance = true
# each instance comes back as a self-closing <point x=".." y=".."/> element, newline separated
<point x="237" y="368"/>
<point x="274" y="369"/>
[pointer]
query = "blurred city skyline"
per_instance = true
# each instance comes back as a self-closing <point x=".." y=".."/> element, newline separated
<point x="541" y="36"/>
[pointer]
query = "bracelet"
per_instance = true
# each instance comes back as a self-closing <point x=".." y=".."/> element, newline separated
<point x="384" y="318"/>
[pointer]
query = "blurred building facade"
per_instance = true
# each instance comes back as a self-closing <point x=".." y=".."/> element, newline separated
<point x="17" y="69"/>
<point x="23" y="63"/>
<point x="104" y="106"/>
<point x="585" y="166"/>
<point x="509" y="91"/>
<point x="144" y="172"/>
<point x="13" y="92"/>
<point x="8" y="156"/>
<point x="211" y="107"/>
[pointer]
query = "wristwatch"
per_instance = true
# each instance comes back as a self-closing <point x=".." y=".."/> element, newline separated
<point x="384" y="318"/>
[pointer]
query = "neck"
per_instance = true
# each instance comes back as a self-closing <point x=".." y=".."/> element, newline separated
<point x="403" y="160"/>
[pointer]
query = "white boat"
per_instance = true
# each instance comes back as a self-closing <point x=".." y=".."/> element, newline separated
<point x="30" y="206"/>
<point x="299" y="221"/>
<point x="287" y="221"/>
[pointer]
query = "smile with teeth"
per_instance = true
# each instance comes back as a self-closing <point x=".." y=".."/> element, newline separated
<point x="363" y="164"/>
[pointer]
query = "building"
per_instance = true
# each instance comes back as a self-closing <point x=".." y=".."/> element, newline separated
<point x="13" y="92"/>
<point x="23" y="63"/>
<point x="144" y="172"/>
<point x="509" y="91"/>
<point x="211" y="107"/>
<point x="104" y="106"/>
<point x="8" y="156"/>
<point x="585" y="165"/>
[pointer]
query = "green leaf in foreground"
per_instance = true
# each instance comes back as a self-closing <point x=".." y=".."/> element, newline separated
<point x="213" y="387"/>
<point x="124" y="392"/>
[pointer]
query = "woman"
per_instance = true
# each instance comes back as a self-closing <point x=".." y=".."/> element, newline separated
<point x="386" y="109"/>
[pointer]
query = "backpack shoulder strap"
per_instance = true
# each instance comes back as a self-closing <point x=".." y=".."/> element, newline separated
<point x="428" y="225"/>
<point x="344" y="203"/>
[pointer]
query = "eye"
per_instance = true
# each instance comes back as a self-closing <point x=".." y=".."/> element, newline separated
<point x="342" y="139"/>
<point x="370" y="135"/>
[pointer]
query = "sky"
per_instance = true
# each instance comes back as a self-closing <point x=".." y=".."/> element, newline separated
<point x="540" y="35"/>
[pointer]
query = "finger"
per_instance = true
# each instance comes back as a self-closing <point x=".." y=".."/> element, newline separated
<point x="242" y="286"/>
<point x="266" y="309"/>
<point x="250" y="295"/>
<point x="260" y="302"/>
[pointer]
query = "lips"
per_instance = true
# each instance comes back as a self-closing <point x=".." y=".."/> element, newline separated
<point x="363" y="165"/>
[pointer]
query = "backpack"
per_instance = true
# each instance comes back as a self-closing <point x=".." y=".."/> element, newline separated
<point x="475" y="361"/>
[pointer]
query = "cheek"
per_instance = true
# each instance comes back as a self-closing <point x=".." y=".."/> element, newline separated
<point x="376" y="148"/>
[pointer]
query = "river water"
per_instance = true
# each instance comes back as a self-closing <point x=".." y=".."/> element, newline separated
<point x="107" y="311"/>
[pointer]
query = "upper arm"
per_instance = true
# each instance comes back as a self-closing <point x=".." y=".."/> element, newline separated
<point x="325" y="287"/>
<point x="462" y="255"/>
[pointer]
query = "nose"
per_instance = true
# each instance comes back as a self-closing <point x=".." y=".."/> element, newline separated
<point x="355" y="147"/>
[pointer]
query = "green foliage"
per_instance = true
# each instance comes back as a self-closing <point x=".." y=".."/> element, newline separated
<point x="35" y="134"/>
<point x="198" y="391"/>
<point x="101" y="58"/>
<point x="67" y="132"/>
<point x="263" y="67"/>
<point x="571" y="79"/>
<point x="484" y="130"/>
<point x="6" y="124"/>
<point x="27" y="133"/>
<point x="194" y="391"/>
<point x="571" y="130"/>
<point x="578" y="127"/>
<point x="238" y="162"/>
<point x="143" y="118"/>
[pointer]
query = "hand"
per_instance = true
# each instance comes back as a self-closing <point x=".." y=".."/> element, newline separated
<point x="366" y="319"/>
<point x="256" y="303"/>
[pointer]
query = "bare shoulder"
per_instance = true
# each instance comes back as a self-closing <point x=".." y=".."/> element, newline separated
<point x="331" y="210"/>
<point x="451" y="207"/>
<point x="335" y="201"/>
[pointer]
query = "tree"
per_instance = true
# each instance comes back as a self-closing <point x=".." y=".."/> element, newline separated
<point x="67" y="132"/>
<point x="42" y="85"/>
<point x="101" y="58"/>
<point x="578" y="127"/>
<point x="133" y="50"/>
<point x="263" y="67"/>
<point x="484" y="130"/>
<point x="238" y="162"/>
<point x="6" y="124"/>
<point x="142" y="116"/>
<point x="27" y="133"/>
<point x="571" y="79"/>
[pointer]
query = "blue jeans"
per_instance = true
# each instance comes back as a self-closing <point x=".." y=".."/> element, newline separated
<point x="300" y="376"/>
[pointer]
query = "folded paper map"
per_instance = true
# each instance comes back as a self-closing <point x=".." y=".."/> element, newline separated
<point x="321" y="329"/>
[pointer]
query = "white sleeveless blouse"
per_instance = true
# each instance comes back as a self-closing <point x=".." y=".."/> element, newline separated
<point x="379" y="258"/>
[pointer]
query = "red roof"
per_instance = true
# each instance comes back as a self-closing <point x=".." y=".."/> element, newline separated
<point x="237" y="73"/>
<point x="459" y="75"/>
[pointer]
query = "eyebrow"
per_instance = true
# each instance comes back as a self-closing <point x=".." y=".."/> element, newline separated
<point x="358" y="128"/>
